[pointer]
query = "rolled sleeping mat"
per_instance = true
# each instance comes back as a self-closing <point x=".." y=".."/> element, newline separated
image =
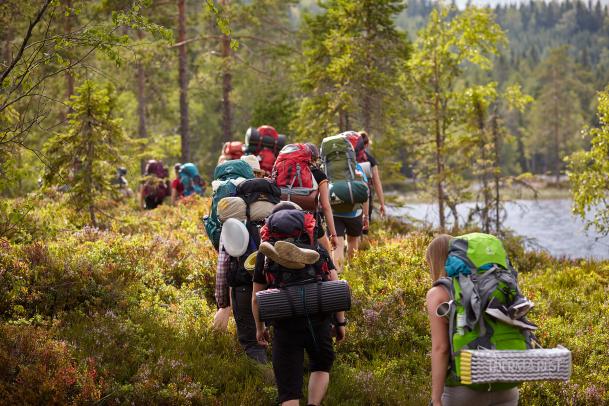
<point x="320" y="297"/>
<point x="260" y="210"/>
<point x="488" y="366"/>
<point x="232" y="208"/>
<point x="308" y="200"/>
<point x="350" y="192"/>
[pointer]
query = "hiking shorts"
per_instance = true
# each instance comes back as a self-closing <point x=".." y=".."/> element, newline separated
<point x="291" y="338"/>
<point x="351" y="226"/>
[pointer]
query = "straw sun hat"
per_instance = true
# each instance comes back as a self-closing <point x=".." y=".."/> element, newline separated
<point x="252" y="161"/>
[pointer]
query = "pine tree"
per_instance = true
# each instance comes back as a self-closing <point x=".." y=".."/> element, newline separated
<point x="587" y="171"/>
<point x="442" y="48"/>
<point x="354" y="55"/>
<point x="85" y="156"/>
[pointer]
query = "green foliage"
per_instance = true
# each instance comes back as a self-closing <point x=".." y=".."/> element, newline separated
<point x="588" y="173"/>
<point x="353" y="57"/>
<point x="86" y="154"/>
<point x="124" y="314"/>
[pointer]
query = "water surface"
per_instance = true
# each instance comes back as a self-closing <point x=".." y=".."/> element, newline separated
<point x="547" y="224"/>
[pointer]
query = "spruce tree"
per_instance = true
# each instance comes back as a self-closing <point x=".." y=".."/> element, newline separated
<point x="85" y="155"/>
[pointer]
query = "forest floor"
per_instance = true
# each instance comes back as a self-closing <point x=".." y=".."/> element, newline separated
<point x="123" y="314"/>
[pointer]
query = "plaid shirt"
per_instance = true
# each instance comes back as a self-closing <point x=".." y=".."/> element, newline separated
<point x="221" y="291"/>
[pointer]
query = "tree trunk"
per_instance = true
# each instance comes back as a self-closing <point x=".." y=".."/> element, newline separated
<point x="556" y="126"/>
<point x="183" y="78"/>
<point x="69" y="78"/>
<point x="142" y="132"/>
<point x="439" y="140"/>
<point x="484" y="178"/>
<point x="227" y="86"/>
<point x="497" y="172"/>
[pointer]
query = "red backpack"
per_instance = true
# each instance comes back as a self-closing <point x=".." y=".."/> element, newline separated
<point x="267" y="159"/>
<point x="292" y="173"/>
<point x="233" y="149"/>
<point x="289" y="224"/>
<point x="358" y="145"/>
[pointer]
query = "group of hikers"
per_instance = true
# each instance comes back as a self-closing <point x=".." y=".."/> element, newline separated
<point x="282" y="217"/>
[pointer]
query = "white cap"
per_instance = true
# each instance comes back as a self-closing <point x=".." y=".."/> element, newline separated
<point x="252" y="161"/>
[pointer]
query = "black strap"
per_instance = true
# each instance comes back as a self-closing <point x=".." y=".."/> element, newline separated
<point x="291" y="301"/>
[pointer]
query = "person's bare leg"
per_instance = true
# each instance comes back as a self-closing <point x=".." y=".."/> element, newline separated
<point x="318" y="385"/>
<point x="338" y="256"/>
<point x="293" y="402"/>
<point x="352" y="245"/>
<point x="325" y="242"/>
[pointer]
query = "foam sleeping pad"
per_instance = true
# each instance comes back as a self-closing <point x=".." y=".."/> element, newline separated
<point x="320" y="297"/>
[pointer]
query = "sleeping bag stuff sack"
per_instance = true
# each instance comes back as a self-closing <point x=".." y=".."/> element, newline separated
<point x="339" y="163"/>
<point x="292" y="174"/>
<point x="302" y="300"/>
<point x="226" y="176"/>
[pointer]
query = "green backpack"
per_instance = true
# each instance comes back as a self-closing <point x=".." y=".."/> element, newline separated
<point x="347" y="189"/>
<point x="486" y="306"/>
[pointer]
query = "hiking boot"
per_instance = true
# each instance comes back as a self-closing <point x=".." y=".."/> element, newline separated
<point x="520" y="307"/>
<point x="290" y="251"/>
<point x="270" y="252"/>
<point x="500" y="312"/>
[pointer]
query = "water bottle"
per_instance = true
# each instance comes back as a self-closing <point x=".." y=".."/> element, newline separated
<point x="461" y="324"/>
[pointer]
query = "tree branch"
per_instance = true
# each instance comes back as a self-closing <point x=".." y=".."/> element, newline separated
<point x="28" y="35"/>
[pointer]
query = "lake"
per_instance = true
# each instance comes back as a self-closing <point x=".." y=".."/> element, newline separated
<point x="546" y="224"/>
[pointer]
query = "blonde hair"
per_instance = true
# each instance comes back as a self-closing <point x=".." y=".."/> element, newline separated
<point x="436" y="255"/>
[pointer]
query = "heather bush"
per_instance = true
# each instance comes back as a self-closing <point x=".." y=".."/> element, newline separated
<point x="121" y="314"/>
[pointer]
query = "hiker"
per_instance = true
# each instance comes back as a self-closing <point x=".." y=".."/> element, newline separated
<point x="374" y="177"/>
<point x="297" y="174"/>
<point x="348" y="192"/>
<point x="242" y="216"/>
<point x="177" y="188"/>
<point x="452" y="261"/>
<point x="154" y="185"/>
<point x="253" y="161"/>
<point x="295" y="335"/>
<point x="120" y="181"/>
<point x="325" y="214"/>
<point x="191" y="180"/>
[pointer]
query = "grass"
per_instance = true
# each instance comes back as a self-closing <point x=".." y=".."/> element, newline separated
<point x="122" y="315"/>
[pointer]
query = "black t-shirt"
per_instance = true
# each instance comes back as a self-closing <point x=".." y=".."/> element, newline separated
<point x="318" y="174"/>
<point x="324" y="257"/>
<point x="371" y="159"/>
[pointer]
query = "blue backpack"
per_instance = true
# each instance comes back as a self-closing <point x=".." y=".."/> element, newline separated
<point x="190" y="178"/>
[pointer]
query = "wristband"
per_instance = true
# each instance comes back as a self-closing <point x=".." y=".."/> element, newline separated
<point x="338" y="324"/>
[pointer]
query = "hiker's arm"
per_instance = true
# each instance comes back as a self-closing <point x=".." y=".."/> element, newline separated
<point x="440" y="347"/>
<point x="365" y="211"/>
<point x="221" y="289"/>
<point x="141" y="197"/>
<point x="324" y="198"/>
<point x="174" y="195"/>
<point x="262" y="334"/>
<point x="378" y="188"/>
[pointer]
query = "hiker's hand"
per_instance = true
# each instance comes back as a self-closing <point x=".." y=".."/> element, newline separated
<point x="365" y="223"/>
<point x="340" y="333"/>
<point x="263" y="337"/>
<point x="382" y="210"/>
<point x="333" y="241"/>
<point x="221" y="318"/>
